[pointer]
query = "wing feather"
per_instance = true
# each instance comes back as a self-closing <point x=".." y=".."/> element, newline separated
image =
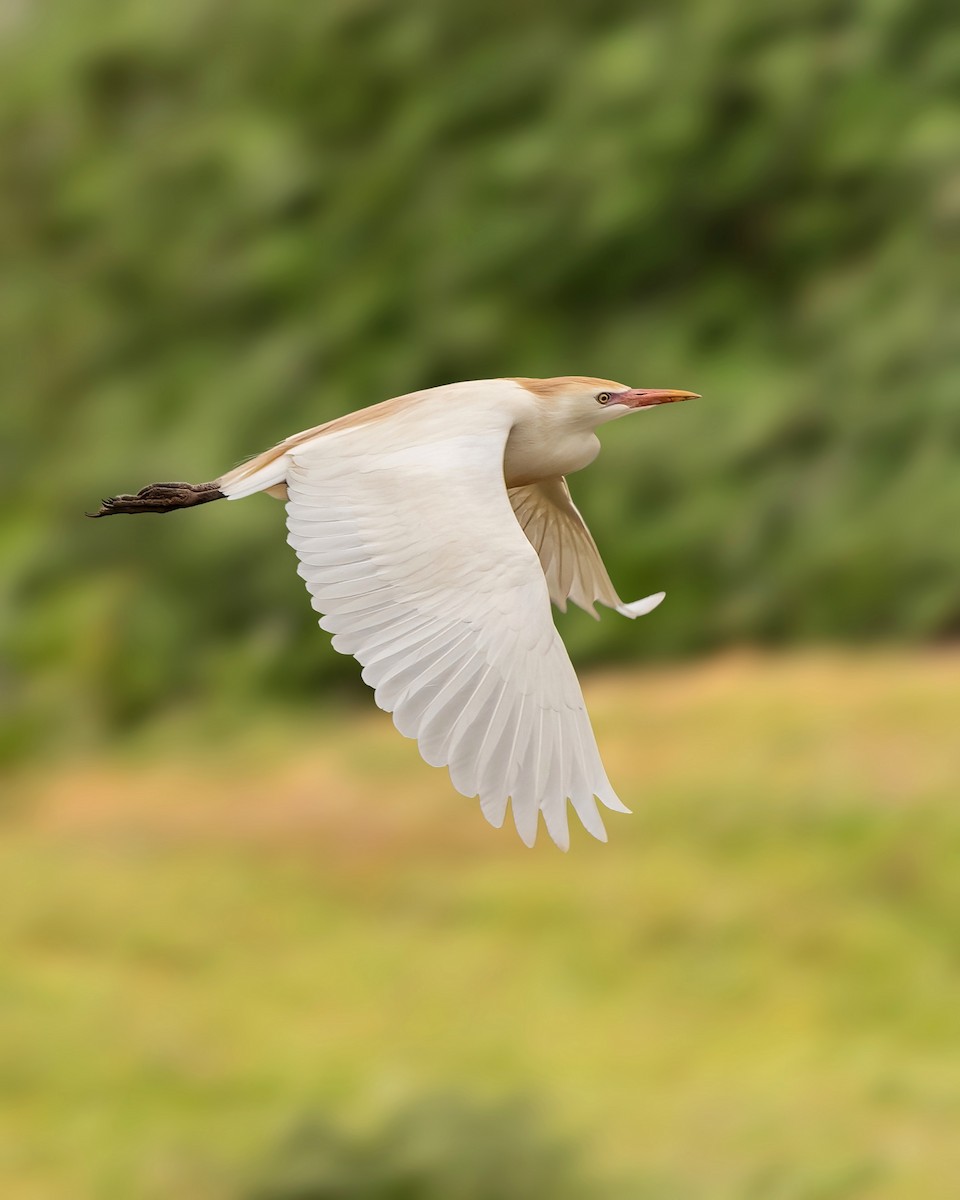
<point x="410" y="551"/>
<point x="568" y="554"/>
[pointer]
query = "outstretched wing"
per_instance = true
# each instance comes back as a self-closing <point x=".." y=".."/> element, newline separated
<point x="568" y="554"/>
<point x="410" y="550"/>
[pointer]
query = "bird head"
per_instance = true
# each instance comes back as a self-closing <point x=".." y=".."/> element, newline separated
<point x="589" y="402"/>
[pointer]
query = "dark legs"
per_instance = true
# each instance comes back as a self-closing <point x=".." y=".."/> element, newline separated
<point x="160" y="498"/>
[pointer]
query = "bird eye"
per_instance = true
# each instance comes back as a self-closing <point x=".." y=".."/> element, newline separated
<point x="603" y="397"/>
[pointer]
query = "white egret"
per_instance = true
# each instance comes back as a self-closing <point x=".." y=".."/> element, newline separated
<point x="433" y="530"/>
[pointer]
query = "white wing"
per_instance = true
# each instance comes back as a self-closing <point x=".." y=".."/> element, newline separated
<point x="409" y="548"/>
<point x="568" y="554"/>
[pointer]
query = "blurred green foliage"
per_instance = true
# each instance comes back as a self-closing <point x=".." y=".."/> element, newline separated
<point x="438" y="1148"/>
<point x="220" y="223"/>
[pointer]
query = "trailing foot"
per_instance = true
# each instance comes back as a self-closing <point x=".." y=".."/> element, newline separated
<point x="160" y="498"/>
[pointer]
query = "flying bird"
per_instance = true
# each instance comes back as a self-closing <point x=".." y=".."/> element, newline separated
<point x="433" y="530"/>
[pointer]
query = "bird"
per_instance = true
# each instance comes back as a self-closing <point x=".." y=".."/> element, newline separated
<point x="433" y="530"/>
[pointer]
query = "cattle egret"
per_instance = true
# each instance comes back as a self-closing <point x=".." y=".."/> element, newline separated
<point x="433" y="530"/>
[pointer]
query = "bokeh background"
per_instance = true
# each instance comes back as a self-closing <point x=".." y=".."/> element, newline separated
<point x="252" y="946"/>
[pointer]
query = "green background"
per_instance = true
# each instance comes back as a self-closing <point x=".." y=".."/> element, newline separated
<point x="220" y="224"/>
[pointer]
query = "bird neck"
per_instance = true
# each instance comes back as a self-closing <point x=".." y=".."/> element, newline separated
<point x="537" y="449"/>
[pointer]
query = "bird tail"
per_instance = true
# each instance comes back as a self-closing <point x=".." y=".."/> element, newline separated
<point x="265" y="473"/>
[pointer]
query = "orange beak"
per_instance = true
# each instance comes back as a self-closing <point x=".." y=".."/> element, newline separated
<point x="647" y="398"/>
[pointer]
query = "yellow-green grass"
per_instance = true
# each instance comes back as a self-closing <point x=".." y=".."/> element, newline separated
<point x="753" y="991"/>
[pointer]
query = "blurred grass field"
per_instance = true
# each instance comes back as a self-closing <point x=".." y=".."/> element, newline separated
<point x="751" y="992"/>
